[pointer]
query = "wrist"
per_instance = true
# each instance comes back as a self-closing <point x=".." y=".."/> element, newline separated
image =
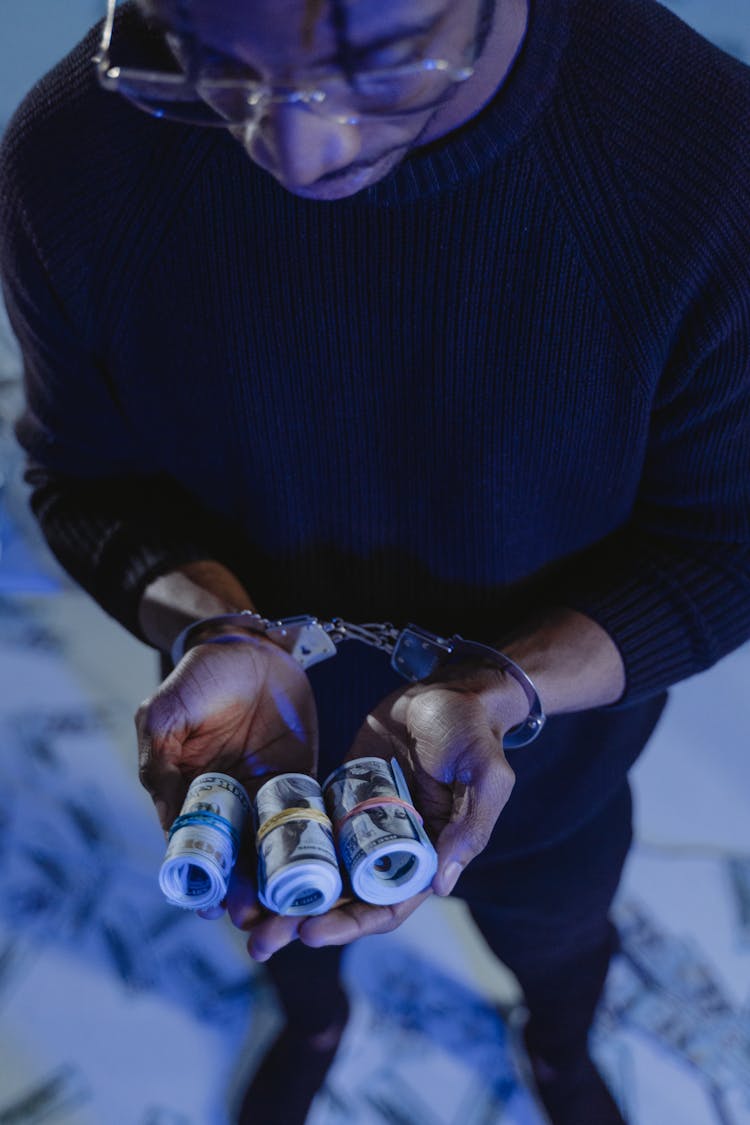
<point x="572" y="660"/>
<point x="194" y="592"/>
<point x="504" y="699"/>
<point x="244" y="626"/>
<point x="510" y="695"/>
<point x="218" y="630"/>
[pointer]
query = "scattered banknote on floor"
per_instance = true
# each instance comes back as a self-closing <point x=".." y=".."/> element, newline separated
<point x="671" y="963"/>
<point x="382" y="844"/>
<point x="298" y="871"/>
<point x="204" y="841"/>
<point x="54" y="1097"/>
<point x="673" y="994"/>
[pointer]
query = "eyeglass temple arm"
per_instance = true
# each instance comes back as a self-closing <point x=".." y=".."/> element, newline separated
<point x="104" y="43"/>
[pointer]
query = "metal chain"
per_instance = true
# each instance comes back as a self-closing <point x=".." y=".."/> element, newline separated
<point x="380" y="635"/>
<point x="415" y="652"/>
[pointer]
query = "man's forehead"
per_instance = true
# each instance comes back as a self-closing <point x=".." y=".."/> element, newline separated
<point x="305" y="22"/>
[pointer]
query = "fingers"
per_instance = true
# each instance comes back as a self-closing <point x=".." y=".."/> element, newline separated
<point x="272" y="933"/>
<point x="340" y="926"/>
<point x="242" y="895"/>
<point x="211" y="913"/>
<point x="162" y="779"/>
<point x="477" y="804"/>
<point x="357" y="919"/>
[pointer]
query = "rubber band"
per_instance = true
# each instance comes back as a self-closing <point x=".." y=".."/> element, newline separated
<point x="377" y="803"/>
<point x="290" y="814"/>
<point x="211" y="820"/>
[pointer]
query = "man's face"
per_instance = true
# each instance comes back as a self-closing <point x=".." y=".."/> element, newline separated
<point x="309" y="151"/>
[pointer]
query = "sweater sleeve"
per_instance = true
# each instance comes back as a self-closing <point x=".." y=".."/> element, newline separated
<point x="666" y="236"/>
<point x="672" y="587"/>
<point x="110" y="516"/>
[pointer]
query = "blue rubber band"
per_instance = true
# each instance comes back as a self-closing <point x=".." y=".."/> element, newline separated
<point x="210" y="820"/>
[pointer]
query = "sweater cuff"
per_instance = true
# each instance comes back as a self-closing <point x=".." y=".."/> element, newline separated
<point x="671" y="615"/>
<point x="122" y="583"/>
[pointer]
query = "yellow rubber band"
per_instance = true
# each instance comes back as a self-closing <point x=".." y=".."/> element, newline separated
<point x="290" y="814"/>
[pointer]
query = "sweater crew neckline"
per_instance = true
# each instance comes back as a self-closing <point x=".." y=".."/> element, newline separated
<point x="475" y="146"/>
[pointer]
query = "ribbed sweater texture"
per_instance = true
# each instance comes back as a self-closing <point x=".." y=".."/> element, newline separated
<point x="514" y="374"/>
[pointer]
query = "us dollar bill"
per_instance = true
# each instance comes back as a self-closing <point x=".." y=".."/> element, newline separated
<point x="384" y="848"/>
<point x="675" y="996"/>
<point x="204" y="841"/>
<point x="298" y="870"/>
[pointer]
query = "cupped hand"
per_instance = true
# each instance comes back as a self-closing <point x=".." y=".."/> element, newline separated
<point x="244" y="708"/>
<point x="447" y="734"/>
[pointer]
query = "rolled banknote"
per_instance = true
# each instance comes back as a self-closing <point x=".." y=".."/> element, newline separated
<point x="298" y="871"/>
<point x="203" y="842"/>
<point x="381" y="841"/>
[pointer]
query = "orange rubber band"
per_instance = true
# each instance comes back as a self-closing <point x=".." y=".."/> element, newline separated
<point x="377" y="803"/>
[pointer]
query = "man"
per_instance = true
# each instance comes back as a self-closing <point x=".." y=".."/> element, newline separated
<point x="412" y="311"/>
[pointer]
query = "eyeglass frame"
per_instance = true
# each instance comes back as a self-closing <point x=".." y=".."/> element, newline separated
<point x="109" y="78"/>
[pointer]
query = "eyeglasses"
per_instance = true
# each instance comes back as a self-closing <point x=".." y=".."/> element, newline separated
<point x="205" y="94"/>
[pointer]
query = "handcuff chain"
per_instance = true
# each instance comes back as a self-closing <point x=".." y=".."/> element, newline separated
<point x="415" y="653"/>
<point x="379" y="635"/>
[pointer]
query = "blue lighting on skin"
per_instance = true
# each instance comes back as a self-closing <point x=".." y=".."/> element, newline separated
<point x="289" y="716"/>
<point x="288" y="713"/>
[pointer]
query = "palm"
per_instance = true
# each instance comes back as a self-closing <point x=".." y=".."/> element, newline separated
<point x="242" y="709"/>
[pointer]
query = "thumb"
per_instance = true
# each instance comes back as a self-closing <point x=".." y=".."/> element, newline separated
<point x="158" y="774"/>
<point x="477" y="803"/>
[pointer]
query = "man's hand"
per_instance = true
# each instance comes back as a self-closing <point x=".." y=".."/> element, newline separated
<point x="244" y="708"/>
<point x="447" y="736"/>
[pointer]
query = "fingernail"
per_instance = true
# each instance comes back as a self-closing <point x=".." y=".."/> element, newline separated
<point x="450" y="876"/>
<point x="161" y="812"/>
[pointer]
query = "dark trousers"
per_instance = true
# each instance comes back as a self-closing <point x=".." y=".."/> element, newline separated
<point x="546" y="916"/>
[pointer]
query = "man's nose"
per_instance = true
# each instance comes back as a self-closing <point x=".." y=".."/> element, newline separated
<point x="299" y="146"/>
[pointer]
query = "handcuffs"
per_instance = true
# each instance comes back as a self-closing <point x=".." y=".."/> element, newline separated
<point x="414" y="652"/>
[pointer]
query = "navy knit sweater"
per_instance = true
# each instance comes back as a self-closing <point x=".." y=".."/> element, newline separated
<point x="516" y="373"/>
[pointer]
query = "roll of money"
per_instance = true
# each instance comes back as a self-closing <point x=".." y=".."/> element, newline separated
<point x="203" y="842"/>
<point x="380" y="837"/>
<point x="298" y="871"/>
